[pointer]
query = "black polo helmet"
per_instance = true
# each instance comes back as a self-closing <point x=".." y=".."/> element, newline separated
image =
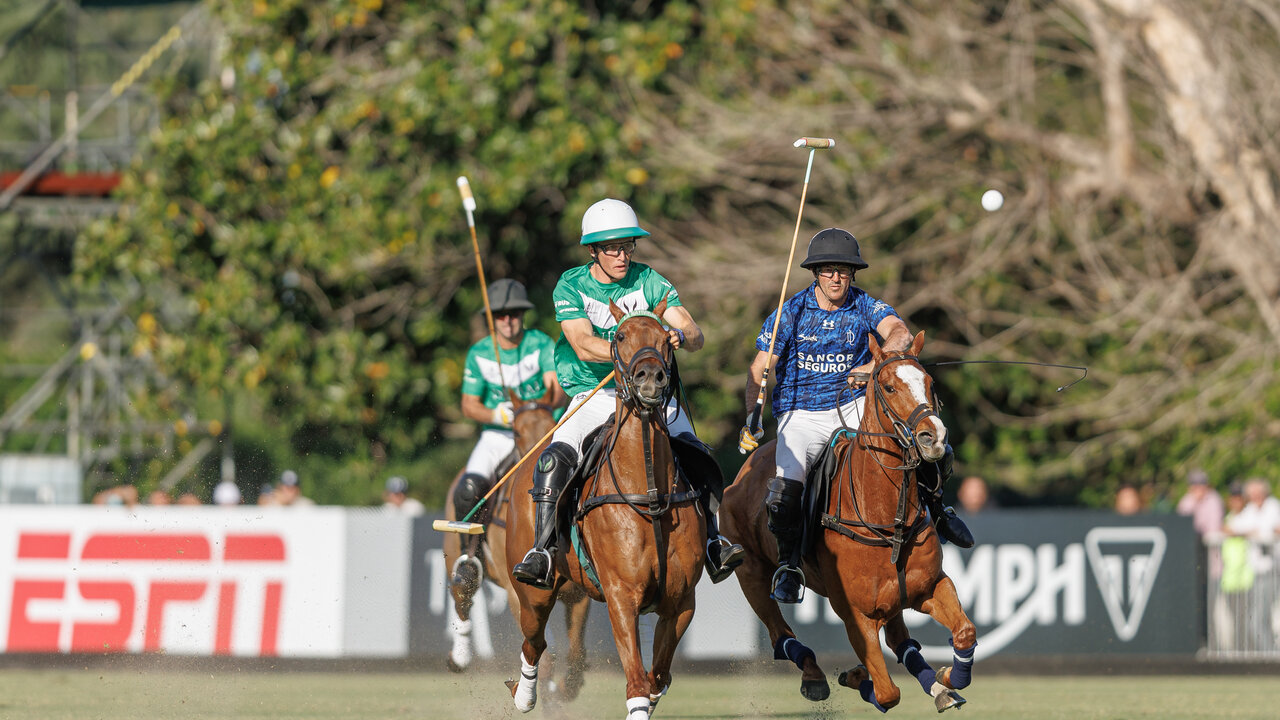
<point x="834" y="246"/>
<point x="507" y="294"/>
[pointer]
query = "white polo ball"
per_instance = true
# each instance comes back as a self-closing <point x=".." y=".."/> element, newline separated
<point x="992" y="200"/>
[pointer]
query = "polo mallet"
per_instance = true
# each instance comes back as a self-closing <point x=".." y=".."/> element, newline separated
<point x="469" y="204"/>
<point x="814" y="144"/>
<point x="469" y="528"/>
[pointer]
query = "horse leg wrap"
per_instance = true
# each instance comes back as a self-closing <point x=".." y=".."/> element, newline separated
<point x="789" y="648"/>
<point x="868" y="692"/>
<point x="962" y="671"/>
<point x="638" y="708"/>
<point x="526" y="695"/>
<point x="909" y="656"/>
<point x="461" y="652"/>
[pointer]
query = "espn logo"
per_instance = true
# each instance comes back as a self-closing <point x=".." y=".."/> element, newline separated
<point x="113" y="591"/>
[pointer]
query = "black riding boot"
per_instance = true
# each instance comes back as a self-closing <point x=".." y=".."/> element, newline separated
<point x="701" y="469"/>
<point x="930" y="479"/>
<point x="785" y="517"/>
<point x="555" y="466"/>
<point x="722" y="556"/>
<point x="471" y="488"/>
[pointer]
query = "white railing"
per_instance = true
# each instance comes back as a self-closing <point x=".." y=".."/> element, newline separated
<point x="1242" y="601"/>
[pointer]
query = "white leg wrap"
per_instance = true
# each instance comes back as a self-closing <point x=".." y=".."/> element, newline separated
<point x="638" y="708"/>
<point x="461" y="653"/>
<point x="527" y="688"/>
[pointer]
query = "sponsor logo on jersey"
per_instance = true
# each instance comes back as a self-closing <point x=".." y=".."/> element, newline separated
<point x="823" y="362"/>
<point x="808" y="338"/>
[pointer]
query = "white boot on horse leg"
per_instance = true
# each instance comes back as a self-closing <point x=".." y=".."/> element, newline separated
<point x="525" y="694"/>
<point x="638" y="708"/>
<point x="461" y="653"/>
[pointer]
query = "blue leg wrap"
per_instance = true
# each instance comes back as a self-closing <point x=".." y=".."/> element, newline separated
<point x="868" y="691"/>
<point x="909" y="656"/>
<point x="789" y="648"/>
<point x="962" y="671"/>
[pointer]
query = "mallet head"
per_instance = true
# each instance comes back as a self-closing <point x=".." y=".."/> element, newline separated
<point x="468" y="200"/>
<point x="813" y="142"/>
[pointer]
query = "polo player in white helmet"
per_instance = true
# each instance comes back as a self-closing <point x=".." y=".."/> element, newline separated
<point x="583" y="359"/>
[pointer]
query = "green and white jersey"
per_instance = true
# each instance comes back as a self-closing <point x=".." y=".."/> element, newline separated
<point x="578" y="295"/>
<point x="522" y="369"/>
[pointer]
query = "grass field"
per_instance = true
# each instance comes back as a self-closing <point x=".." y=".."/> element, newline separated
<point x="94" y="694"/>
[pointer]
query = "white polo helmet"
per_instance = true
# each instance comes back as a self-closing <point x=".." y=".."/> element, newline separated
<point x="610" y="219"/>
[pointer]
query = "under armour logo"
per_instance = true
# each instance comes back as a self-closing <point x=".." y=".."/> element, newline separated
<point x="828" y="324"/>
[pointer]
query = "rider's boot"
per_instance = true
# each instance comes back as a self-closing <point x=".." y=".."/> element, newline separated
<point x="471" y="488"/>
<point x="555" y="466"/>
<point x="785" y="517"/>
<point x="930" y="479"/>
<point x="722" y="556"/>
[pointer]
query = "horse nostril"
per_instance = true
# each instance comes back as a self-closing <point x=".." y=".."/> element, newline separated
<point x="926" y="437"/>
<point x="660" y="378"/>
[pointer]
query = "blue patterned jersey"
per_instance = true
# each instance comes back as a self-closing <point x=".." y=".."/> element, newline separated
<point x="817" y="348"/>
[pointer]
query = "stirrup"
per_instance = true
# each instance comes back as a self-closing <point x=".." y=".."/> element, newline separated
<point x="525" y="574"/>
<point x="462" y="565"/>
<point x="782" y="571"/>
<point x="723" y="564"/>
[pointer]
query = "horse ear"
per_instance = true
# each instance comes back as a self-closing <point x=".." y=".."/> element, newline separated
<point x="662" y="306"/>
<point x="547" y="396"/>
<point x="615" y="311"/>
<point x="917" y="344"/>
<point x="877" y="354"/>
<point x="513" y="398"/>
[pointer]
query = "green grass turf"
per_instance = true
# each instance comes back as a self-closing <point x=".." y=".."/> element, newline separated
<point x="109" y="695"/>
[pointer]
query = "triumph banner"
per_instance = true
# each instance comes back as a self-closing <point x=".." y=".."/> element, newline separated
<point x="1057" y="582"/>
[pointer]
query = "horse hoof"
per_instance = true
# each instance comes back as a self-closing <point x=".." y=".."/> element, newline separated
<point x="815" y="690"/>
<point x="853" y="678"/>
<point x="943" y="677"/>
<point x="944" y="698"/>
<point x="453" y="666"/>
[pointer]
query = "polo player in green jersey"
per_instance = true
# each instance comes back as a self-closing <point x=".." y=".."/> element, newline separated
<point x="527" y="371"/>
<point x="583" y="359"/>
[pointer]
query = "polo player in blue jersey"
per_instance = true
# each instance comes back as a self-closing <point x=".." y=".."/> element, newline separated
<point x="820" y="348"/>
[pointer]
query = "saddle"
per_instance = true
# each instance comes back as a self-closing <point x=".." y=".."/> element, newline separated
<point x="817" y="488"/>
<point x="693" y="460"/>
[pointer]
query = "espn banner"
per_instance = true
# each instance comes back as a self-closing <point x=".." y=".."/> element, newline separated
<point x="246" y="581"/>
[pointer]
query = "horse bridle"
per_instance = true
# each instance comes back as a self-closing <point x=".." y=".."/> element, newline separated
<point x="903" y="430"/>
<point x="626" y="386"/>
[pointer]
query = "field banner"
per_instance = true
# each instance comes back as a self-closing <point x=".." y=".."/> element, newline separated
<point x="1057" y="582"/>
<point x="244" y="581"/>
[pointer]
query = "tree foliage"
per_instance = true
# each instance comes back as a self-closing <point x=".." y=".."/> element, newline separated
<point x="299" y="236"/>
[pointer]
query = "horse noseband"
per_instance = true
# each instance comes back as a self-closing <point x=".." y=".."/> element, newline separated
<point x="626" y="389"/>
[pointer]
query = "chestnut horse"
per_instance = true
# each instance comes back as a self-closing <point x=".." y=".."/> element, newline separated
<point x="640" y="526"/>
<point x="876" y="552"/>
<point x="532" y="420"/>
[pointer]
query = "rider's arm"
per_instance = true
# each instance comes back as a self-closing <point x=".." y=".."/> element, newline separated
<point x="557" y="398"/>
<point x="755" y="375"/>
<point x="586" y="345"/>
<point x="678" y="317"/>
<point x="896" y="336"/>
<point x="474" y="409"/>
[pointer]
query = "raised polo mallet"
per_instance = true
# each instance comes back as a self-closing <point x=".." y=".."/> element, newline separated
<point x="814" y="144"/>
<point x="469" y="204"/>
<point x="469" y="528"/>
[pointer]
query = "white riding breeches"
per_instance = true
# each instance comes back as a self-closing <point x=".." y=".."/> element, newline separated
<point x="597" y="410"/>
<point x="803" y="433"/>
<point x="490" y="450"/>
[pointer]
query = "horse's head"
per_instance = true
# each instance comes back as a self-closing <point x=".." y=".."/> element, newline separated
<point x="533" y="419"/>
<point x="903" y="400"/>
<point x="642" y="356"/>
